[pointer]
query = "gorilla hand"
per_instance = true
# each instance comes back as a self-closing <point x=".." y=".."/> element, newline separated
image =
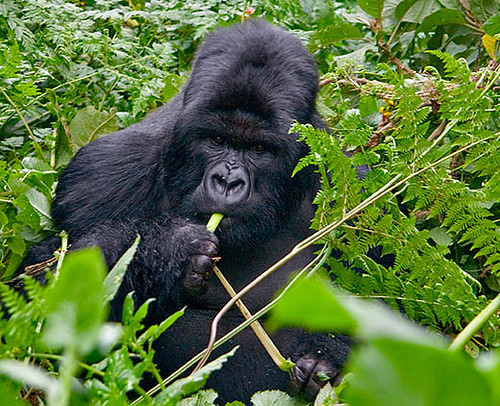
<point x="309" y="374"/>
<point x="197" y="248"/>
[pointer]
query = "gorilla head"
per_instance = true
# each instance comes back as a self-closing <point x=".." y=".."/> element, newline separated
<point x="247" y="86"/>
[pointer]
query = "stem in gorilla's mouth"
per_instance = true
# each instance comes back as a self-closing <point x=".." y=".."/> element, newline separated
<point x="282" y="363"/>
<point x="214" y="221"/>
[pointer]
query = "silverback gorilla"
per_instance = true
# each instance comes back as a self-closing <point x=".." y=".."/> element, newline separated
<point x="221" y="145"/>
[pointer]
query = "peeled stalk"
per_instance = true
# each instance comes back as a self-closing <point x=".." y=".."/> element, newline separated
<point x="282" y="363"/>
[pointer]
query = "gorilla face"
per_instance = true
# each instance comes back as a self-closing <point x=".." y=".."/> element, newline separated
<point x="237" y="156"/>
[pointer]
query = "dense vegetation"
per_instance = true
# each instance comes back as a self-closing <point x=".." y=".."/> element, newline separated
<point x="410" y="88"/>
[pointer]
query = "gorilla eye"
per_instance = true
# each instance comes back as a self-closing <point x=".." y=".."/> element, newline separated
<point x="217" y="140"/>
<point x="258" y="148"/>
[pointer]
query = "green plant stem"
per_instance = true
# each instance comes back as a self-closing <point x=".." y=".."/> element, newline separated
<point x="266" y="341"/>
<point x="64" y="249"/>
<point x="472" y="328"/>
<point x="60" y="357"/>
<point x="387" y="188"/>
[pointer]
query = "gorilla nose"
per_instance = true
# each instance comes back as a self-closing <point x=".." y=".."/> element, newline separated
<point x="228" y="186"/>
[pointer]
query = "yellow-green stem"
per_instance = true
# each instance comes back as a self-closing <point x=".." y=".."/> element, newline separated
<point x="282" y="363"/>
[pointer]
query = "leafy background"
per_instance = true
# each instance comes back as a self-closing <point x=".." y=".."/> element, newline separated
<point x="409" y="88"/>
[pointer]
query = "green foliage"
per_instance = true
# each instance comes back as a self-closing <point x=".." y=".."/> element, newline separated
<point x="396" y="362"/>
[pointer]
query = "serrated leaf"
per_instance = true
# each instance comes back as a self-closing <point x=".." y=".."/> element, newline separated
<point x="90" y="124"/>
<point x="153" y="332"/>
<point x="202" y="398"/>
<point x="186" y="386"/>
<point x="275" y="398"/>
<point x="114" y="278"/>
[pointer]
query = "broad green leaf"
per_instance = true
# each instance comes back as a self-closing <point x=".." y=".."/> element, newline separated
<point x="9" y="394"/>
<point x="275" y="398"/>
<point x="311" y="305"/>
<point x="484" y="9"/>
<point x="114" y="278"/>
<point x="391" y="372"/>
<point x="440" y="236"/>
<point x="16" y="244"/>
<point x="372" y="7"/>
<point x="90" y="124"/>
<point x="367" y="106"/>
<point x="75" y="303"/>
<point x="186" y="386"/>
<point x="420" y="10"/>
<point x="402" y="8"/>
<point x="492" y="25"/>
<point x="441" y="17"/>
<point x="316" y="306"/>
<point x="335" y="33"/>
<point x="40" y="202"/>
<point x="489" y="364"/>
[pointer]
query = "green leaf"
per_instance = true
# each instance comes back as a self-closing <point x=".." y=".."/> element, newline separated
<point x="367" y="106"/>
<point x="16" y="244"/>
<point x="155" y="331"/>
<point x="391" y="372"/>
<point x="441" y="17"/>
<point x="402" y="8"/>
<point x="333" y="34"/>
<point x="186" y="386"/>
<point x="311" y="305"/>
<point x="114" y="278"/>
<point x="420" y="10"/>
<point x="275" y="398"/>
<point x="492" y="25"/>
<point x="316" y="306"/>
<point x="372" y="7"/>
<point x="202" y="398"/>
<point x="75" y="303"/>
<point x="440" y="236"/>
<point x="90" y="124"/>
<point x="40" y="202"/>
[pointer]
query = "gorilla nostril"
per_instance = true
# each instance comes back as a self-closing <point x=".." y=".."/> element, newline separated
<point x="236" y="187"/>
<point x="219" y="183"/>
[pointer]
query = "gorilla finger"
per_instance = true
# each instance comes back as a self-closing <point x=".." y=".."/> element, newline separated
<point x="300" y="374"/>
<point x="201" y="265"/>
<point x="195" y="284"/>
<point x="323" y="372"/>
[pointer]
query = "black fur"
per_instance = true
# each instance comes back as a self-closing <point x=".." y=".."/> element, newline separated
<point x="222" y="145"/>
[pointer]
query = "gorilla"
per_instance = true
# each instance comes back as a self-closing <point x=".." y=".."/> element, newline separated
<point x="221" y="145"/>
